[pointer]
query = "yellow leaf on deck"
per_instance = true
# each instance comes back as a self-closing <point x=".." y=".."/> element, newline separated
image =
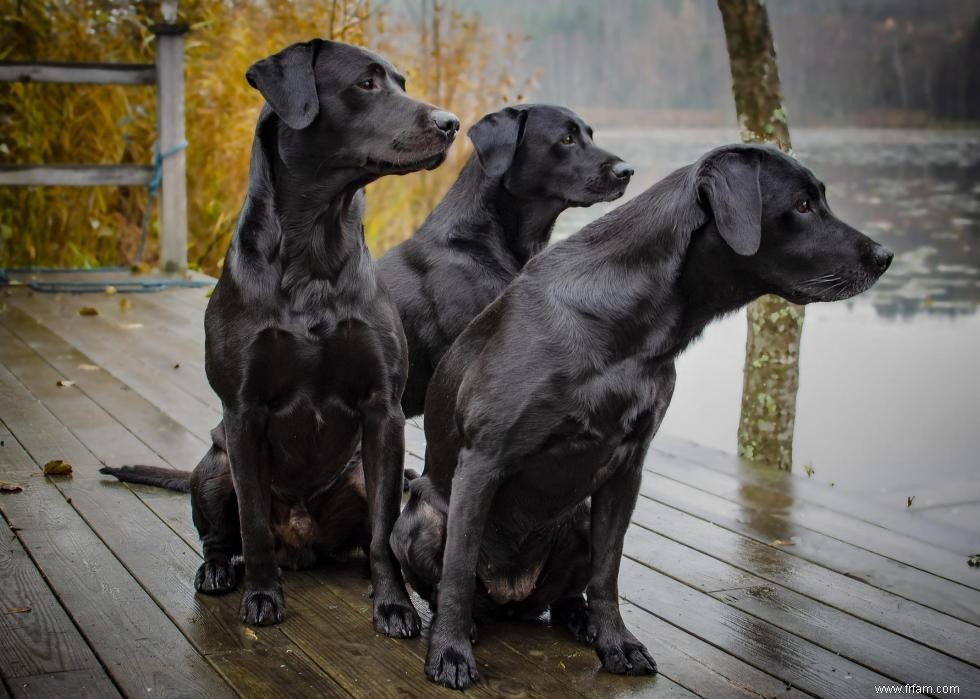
<point x="110" y="290"/>
<point x="9" y="487"/>
<point x="89" y="367"/>
<point x="783" y="542"/>
<point x="132" y="326"/>
<point x="250" y="634"/>
<point x="57" y="467"/>
<point x="88" y="311"/>
<point x="65" y="383"/>
<point x="18" y="610"/>
<point x="125" y="304"/>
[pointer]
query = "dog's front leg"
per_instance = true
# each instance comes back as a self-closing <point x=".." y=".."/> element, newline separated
<point x="383" y="449"/>
<point x="612" y="506"/>
<point x="262" y="600"/>
<point x="450" y="660"/>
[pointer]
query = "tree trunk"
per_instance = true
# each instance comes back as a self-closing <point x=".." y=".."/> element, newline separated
<point x="772" y="350"/>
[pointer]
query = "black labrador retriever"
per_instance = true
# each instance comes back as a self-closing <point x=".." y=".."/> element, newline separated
<point x="539" y="416"/>
<point x="531" y="163"/>
<point x="303" y="344"/>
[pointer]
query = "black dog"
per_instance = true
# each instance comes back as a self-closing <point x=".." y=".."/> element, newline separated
<point x="531" y="163"/>
<point x="303" y="345"/>
<point x="549" y="398"/>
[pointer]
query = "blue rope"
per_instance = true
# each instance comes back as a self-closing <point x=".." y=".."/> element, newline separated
<point x="130" y="285"/>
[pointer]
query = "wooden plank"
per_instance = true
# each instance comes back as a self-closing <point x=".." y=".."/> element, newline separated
<point x="902" y="659"/>
<point x="139" y="646"/>
<point x="78" y="73"/>
<point x="160" y="432"/>
<point x="154" y="555"/>
<point x="75" y="175"/>
<point x="77" y="684"/>
<point x="794" y="660"/>
<point x="153" y="384"/>
<point x="42" y="640"/>
<point x="170" y="138"/>
<point x="915" y="585"/>
<point x="344" y="643"/>
<point x="898" y="519"/>
<point x="275" y="672"/>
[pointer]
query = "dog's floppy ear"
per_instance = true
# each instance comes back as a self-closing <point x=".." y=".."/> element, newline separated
<point x="730" y="183"/>
<point x="496" y="137"/>
<point x="286" y="81"/>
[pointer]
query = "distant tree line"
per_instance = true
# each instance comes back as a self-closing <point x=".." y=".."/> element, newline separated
<point x="890" y="62"/>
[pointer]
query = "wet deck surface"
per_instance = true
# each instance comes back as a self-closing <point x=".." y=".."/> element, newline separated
<point x="741" y="582"/>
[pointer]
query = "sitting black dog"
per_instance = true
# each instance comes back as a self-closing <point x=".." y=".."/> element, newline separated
<point x="531" y="163"/>
<point x="303" y="344"/>
<point x="539" y="416"/>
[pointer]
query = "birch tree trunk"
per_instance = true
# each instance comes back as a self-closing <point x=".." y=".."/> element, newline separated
<point x="772" y="350"/>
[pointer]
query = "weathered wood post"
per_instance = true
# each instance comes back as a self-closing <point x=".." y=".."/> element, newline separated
<point x="772" y="350"/>
<point x="170" y="138"/>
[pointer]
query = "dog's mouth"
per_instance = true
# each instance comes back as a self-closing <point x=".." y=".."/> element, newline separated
<point x="831" y="287"/>
<point x="596" y="195"/>
<point x="409" y="164"/>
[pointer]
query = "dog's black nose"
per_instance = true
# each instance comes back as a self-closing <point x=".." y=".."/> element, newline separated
<point x="622" y="170"/>
<point x="445" y="121"/>
<point x="882" y="257"/>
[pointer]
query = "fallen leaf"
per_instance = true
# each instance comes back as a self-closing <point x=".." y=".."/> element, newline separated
<point x="910" y="500"/>
<point x="89" y="367"/>
<point x="974" y="560"/>
<point x="561" y="664"/>
<point x="177" y="365"/>
<point x="65" y="383"/>
<point x="139" y="268"/>
<point x="88" y="311"/>
<point x="808" y="470"/>
<point x="57" y="467"/>
<point x="132" y="326"/>
<point x="207" y="294"/>
<point x="18" y="610"/>
<point x="250" y="634"/>
<point x="110" y="290"/>
<point x="9" y="487"/>
<point x="124" y="304"/>
<point x="783" y="542"/>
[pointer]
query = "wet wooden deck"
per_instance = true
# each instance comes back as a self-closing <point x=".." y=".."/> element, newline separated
<point x="741" y="582"/>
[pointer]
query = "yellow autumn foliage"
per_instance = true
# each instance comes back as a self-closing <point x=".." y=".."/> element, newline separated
<point x="447" y="56"/>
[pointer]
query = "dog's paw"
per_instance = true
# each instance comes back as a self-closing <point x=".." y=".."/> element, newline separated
<point x="573" y="614"/>
<point x="397" y="619"/>
<point x="451" y="665"/>
<point x="263" y="607"/>
<point x="215" y="577"/>
<point x="626" y="657"/>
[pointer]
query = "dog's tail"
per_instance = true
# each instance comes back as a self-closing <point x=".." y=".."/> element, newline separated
<point x="168" y="478"/>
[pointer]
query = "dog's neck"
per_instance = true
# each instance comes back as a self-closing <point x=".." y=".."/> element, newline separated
<point x="518" y="227"/>
<point x="662" y="267"/>
<point x="305" y="225"/>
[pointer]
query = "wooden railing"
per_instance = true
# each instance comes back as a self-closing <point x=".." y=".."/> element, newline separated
<point x="168" y="76"/>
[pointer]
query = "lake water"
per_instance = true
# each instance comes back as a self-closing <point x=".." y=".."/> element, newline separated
<point x="889" y="381"/>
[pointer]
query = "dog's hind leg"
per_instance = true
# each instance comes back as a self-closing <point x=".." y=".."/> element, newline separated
<point x="215" y="511"/>
<point x="383" y="450"/>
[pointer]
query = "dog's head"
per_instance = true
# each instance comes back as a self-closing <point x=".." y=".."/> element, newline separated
<point x="773" y="218"/>
<point x="344" y="107"/>
<point x="545" y="152"/>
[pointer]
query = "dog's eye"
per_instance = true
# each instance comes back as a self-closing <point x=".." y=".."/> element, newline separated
<point x="568" y="139"/>
<point x="804" y="207"/>
<point x="367" y="84"/>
